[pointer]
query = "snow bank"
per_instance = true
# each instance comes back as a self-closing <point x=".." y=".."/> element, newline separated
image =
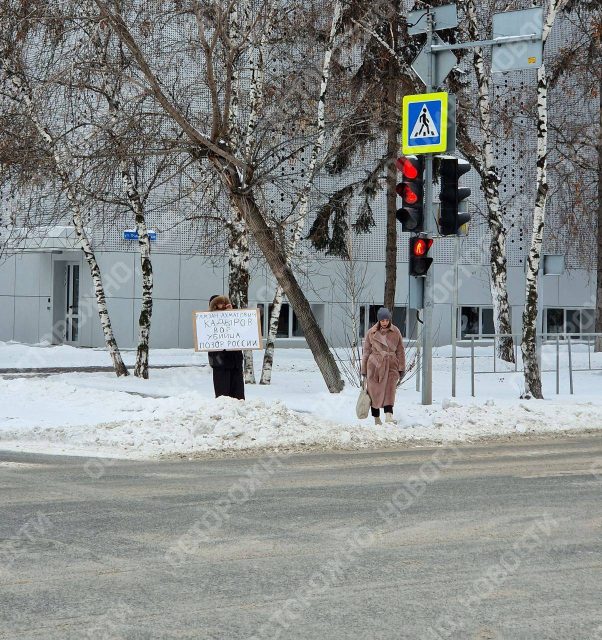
<point x="174" y="412"/>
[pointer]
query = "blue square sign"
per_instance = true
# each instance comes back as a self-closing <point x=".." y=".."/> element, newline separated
<point x="424" y="120"/>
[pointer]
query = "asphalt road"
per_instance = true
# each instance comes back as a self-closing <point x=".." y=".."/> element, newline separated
<point x="499" y="541"/>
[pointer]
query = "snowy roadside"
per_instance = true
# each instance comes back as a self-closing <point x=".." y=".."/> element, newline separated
<point x="96" y="414"/>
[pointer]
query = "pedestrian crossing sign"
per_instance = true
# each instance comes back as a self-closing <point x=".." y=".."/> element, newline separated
<point x="424" y="123"/>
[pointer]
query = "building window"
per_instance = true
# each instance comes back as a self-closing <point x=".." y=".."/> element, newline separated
<point x="288" y="323"/>
<point x="476" y="321"/>
<point x="588" y="320"/>
<point x="573" y="321"/>
<point x="555" y="320"/>
<point x="296" y="330"/>
<point x="370" y="312"/>
<point x="487" y="326"/>
<point x="283" y="329"/>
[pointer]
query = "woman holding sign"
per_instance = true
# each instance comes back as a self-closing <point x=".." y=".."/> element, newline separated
<point x="228" y="379"/>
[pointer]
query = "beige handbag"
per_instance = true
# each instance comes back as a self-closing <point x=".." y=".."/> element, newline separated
<point x="362" y="408"/>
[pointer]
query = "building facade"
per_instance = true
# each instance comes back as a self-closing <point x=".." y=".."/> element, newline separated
<point x="46" y="293"/>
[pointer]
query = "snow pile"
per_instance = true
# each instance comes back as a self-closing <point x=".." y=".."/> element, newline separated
<point x="182" y="424"/>
<point x="175" y="413"/>
<point x="192" y="423"/>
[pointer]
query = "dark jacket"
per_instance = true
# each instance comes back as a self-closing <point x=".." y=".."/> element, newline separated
<point x="224" y="359"/>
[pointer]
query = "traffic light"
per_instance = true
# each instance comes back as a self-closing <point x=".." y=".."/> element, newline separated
<point x="411" y="190"/>
<point x="419" y="260"/>
<point x="452" y="197"/>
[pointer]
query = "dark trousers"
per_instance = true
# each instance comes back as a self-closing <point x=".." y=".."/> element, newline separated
<point x="229" y="382"/>
<point x="376" y="412"/>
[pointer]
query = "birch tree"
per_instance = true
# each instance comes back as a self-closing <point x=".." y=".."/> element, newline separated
<point x="482" y="157"/>
<point x="239" y="26"/>
<point x="532" y="373"/>
<point x="135" y="157"/>
<point x="243" y="179"/>
<point x="598" y="49"/>
<point x="110" y="66"/>
<point x="60" y="158"/>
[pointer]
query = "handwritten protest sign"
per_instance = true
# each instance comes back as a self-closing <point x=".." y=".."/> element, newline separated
<point x="229" y="330"/>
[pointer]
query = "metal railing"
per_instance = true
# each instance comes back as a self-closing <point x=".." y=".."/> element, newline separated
<point x="567" y="340"/>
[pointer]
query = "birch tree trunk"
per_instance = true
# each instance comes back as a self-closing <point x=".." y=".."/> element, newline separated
<point x="268" y="357"/>
<point x="490" y="181"/>
<point x="146" y="267"/>
<point x="239" y="277"/>
<point x="21" y="93"/>
<point x="238" y="234"/>
<point x="110" y="90"/>
<point x="99" y="293"/>
<point x="532" y="372"/>
<point x="599" y="234"/>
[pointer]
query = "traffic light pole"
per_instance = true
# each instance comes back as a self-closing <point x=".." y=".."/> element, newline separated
<point x="429" y="230"/>
<point x="426" y="70"/>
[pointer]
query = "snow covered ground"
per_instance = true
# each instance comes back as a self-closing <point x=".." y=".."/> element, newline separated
<point x="174" y="412"/>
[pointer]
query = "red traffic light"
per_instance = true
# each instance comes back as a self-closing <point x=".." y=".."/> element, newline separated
<point x="408" y="194"/>
<point x="421" y="246"/>
<point x="411" y="191"/>
<point x="419" y="260"/>
<point x="408" y="167"/>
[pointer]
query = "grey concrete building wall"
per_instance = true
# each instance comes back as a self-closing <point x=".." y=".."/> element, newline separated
<point x="31" y="283"/>
<point x="25" y="286"/>
<point x="7" y="298"/>
<point x="32" y="295"/>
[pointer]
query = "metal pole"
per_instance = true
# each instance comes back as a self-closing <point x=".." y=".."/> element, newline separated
<point x="557" y="365"/>
<point x="539" y="328"/>
<point x="454" y="323"/>
<point x="570" y="364"/>
<point x="472" y="367"/>
<point x="589" y="353"/>
<point x="418" y="351"/>
<point x="487" y="43"/>
<point x="427" y="329"/>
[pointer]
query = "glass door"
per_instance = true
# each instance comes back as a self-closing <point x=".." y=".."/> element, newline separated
<point x="72" y="303"/>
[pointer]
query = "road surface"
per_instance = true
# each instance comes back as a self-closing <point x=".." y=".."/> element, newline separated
<point x="490" y="541"/>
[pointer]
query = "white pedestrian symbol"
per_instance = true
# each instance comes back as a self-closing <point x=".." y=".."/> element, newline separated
<point x="424" y="126"/>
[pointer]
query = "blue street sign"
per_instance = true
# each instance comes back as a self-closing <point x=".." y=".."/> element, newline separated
<point x="132" y="234"/>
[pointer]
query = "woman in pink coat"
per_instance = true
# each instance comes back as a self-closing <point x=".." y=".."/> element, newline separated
<point x="384" y="363"/>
